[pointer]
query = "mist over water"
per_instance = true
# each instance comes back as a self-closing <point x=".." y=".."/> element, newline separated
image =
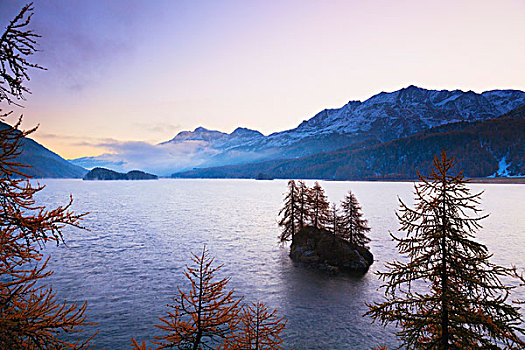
<point x="142" y="233"/>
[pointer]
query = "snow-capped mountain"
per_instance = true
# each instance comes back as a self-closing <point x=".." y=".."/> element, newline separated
<point x="217" y="139"/>
<point x="383" y="117"/>
<point x="388" y="116"/>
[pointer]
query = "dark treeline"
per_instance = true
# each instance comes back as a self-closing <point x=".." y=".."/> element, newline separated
<point x="309" y="206"/>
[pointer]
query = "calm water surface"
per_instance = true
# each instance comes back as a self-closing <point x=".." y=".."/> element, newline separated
<point x="128" y="266"/>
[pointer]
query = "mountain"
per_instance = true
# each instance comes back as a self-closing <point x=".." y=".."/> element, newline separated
<point x="387" y="116"/>
<point x="492" y="147"/>
<point x="218" y="139"/>
<point x="381" y="118"/>
<point x="43" y="162"/>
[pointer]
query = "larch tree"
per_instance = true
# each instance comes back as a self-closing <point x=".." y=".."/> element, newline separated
<point x="335" y="220"/>
<point x="289" y="213"/>
<point x="30" y="315"/>
<point x="303" y="207"/>
<point x="258" y="329"/>
<point x="320" y="207"/>
<point x="447" y="295"/>
<point x="203" y="317"/>
<point x="354" y="227"/>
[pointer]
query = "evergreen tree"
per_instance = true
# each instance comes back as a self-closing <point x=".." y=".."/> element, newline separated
<point x="335" y="224"/>
<point x="353" y="226"/>
<point x="30" y="315"/>
<point x="461" y="302"/>
<point x="290" y="213"/>
<point x="203" y="317"/>
<point x="303" y="208"/>
<point x="258" y="329"/>
<point x="319" y="206"/>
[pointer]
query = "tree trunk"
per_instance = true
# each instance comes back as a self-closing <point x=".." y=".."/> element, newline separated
<point x="198" y="337"/>
<point x="444" y="275"/>
<point x="293" y="215"/>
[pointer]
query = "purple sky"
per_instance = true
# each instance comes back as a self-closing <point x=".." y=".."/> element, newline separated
<point x="124" y="70"/>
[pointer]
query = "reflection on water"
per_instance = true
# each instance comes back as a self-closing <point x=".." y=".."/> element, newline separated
<point x="130" y="263"/>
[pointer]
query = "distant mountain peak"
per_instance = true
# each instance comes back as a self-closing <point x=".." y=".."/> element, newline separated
<point x="413" y="87"/>
<point x="245" y="131"/>
<point x="201" y="129"/>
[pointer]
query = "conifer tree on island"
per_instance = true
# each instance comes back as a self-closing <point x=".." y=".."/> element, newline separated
<point x="335" y="220"/>
<point x="289" y="213"/>
<point x="303" y="207"/>
<point x="30" y="316"/>
<point x="205" y="316"/>
<point x="353" y="226"/>
<point x="465" y="305"/>
<point x="320" y="207"/>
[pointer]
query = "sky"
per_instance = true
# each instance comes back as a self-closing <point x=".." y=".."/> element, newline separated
<point x="125" y="71"/>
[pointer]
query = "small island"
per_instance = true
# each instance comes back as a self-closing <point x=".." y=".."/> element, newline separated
<point x="323" y="236"/>
<point x="107" y="174"/>
<point x="321" y="249"/>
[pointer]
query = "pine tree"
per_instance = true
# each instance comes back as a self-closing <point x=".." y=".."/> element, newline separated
<point x="290" y="213"/>
<point x="320" y="207"/>
<point x="203" y="317"/>
<point x="258" y="329"/>
<point x="353" y="226"/>
<point x="460" y="301"/>
<point x="30" y="316"/>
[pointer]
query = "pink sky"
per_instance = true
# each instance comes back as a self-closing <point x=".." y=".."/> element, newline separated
<point x="143" y="70"/>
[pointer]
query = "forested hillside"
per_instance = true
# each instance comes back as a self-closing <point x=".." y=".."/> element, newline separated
<point x="493" y="147"/>
<point x="43" y="162"/>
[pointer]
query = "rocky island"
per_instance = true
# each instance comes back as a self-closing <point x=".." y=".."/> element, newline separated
<point x="107" y="174"/>
<point x="322" y="235"/>
<point x="321" y="249"/>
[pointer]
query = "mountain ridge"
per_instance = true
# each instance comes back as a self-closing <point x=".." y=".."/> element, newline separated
<point x="491" y="147"/>
<point x="381" y="118"/>
<point x="44" y="163"/>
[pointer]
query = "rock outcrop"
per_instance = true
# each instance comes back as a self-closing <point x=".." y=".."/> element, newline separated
<point x="321" y="249"/>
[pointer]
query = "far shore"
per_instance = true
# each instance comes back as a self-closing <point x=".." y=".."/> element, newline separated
<point x="499" y="180"/>
<point x="487" y="180"/>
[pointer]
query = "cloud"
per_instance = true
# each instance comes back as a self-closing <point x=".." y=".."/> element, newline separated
<point x="73" y="139"/>
<point x="159" y="159"/>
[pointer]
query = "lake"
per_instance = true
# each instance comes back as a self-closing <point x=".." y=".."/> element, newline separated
<point x="130" y="263"/>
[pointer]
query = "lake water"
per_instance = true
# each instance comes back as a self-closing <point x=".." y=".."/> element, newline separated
<point x="128" y="266"/>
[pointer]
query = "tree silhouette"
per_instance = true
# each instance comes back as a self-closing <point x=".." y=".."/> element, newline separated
<point x="353" y="226"/>
<point x="258" y="329"/>
<point x="303" y="207"/>
<point x="203" y="317"/>
<point x="30" y="316"/>
<point x="16" y="44"/>
<point x="335" y="220"/>
<point x="461" y="302"/>
<point x="320" y="207"/>
<point x="289" y="213"/>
